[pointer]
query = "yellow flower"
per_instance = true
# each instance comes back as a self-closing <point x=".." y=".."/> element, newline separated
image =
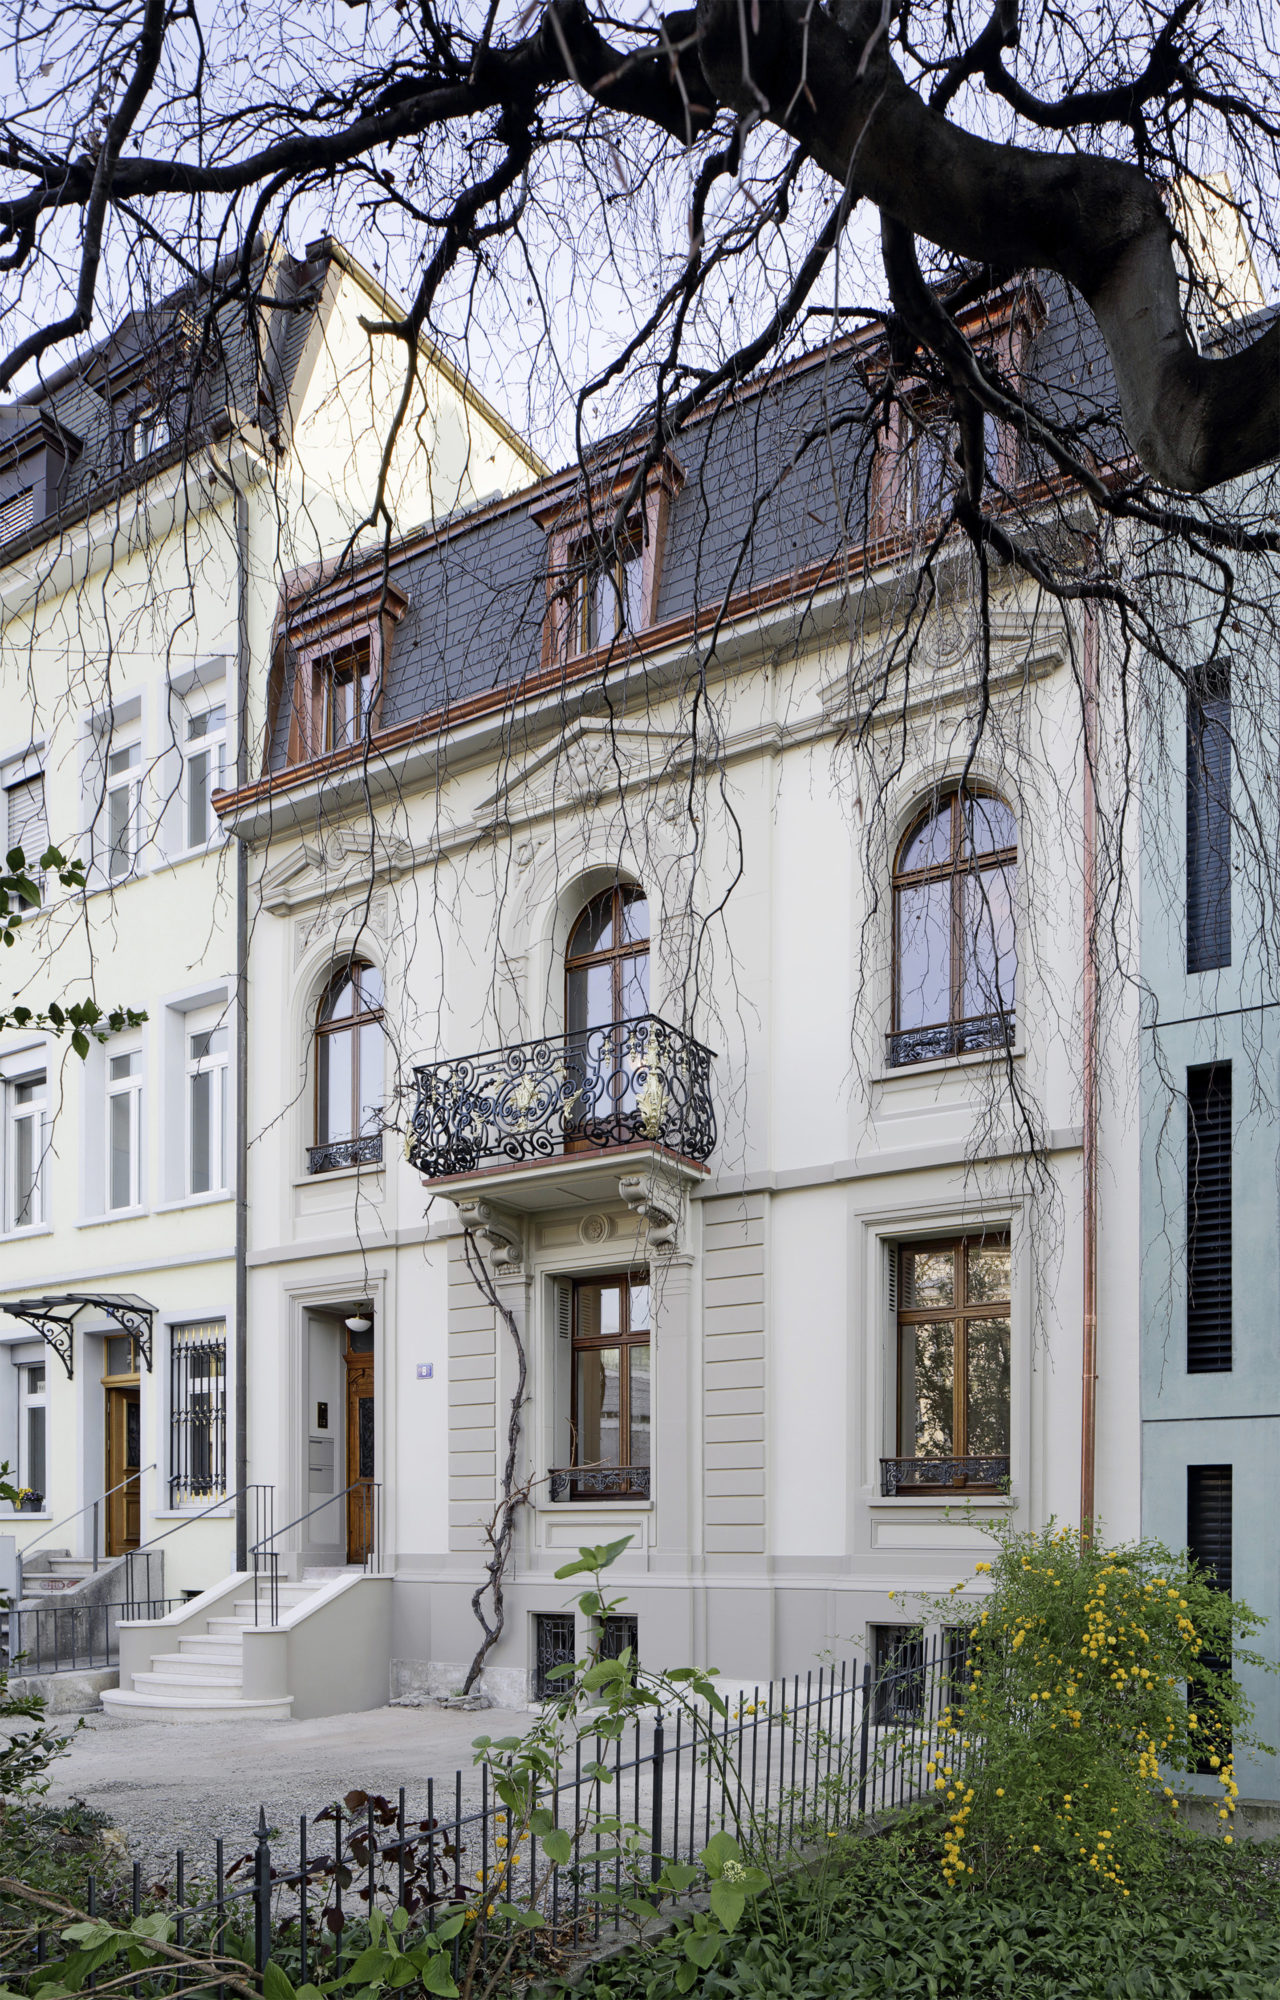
<point x="1227" y="1840"/>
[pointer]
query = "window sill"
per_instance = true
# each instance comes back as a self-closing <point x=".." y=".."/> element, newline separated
<point x="227" y="1513"/>
<point x="21" y="1235"/>
<point x="941" y="1496"/>
<point x="112" y="1215"/>
<point x="193" y="1201"/>
<point x="331" y="1174"/>
<point x="939" y="1065"/>
<point x="591" y="1505"/>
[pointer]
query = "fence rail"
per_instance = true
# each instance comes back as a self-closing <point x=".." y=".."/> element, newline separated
<point x="69" y="1638"/>
<point x="790" y="1762"/>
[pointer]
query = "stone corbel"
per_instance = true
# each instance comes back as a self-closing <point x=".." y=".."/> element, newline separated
<point x="499" y="1232"/>
<point x="658" y="1206"/>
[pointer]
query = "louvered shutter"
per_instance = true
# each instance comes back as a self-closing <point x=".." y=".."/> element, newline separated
<point x="564" y="1309"/>
<point x="1209" y="820"/>
<point x="1209" y="1520"/>
<point x="25" y="821"/>
<point x="1209" y="1219"/>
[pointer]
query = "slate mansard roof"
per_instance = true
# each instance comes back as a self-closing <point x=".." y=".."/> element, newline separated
<point x="775" y="488"/>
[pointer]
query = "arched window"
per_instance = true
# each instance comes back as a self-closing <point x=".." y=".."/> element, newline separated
<point x="349" y="1070"/>
<point x="954" y="957"/>
<point x="607" y="963"/>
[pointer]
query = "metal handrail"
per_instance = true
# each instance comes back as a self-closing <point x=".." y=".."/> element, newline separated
<point x="223" y="1500"/>
<point x="95" y="1504"/>
<point x="273" y="1555"/>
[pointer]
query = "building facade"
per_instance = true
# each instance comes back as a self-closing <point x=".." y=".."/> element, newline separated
<point x="619" y="1074"/>
<point x="150" y="500"/>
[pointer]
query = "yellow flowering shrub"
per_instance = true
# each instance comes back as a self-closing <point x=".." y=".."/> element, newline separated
<point x="1093" y="1679"/>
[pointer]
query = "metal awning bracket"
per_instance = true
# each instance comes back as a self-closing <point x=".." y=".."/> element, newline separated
<point x="54" y="1318"/>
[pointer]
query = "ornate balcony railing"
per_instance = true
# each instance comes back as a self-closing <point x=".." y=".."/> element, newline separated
<point x="599" y="1482"/>
<point x="918" y="1475"/>
<point x="952" y="1038"/>
<point x="608" y="1086"/>
<point x="364" y="1152"/>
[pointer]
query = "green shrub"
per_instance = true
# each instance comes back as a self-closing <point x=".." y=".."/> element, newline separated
<point x="1074" y="1717"/>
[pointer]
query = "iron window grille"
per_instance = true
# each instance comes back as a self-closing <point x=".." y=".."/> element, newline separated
<point x="619" y="1634"/>
<point x="1209" y="1305"/>
<point x="954" y="944"/>
<point x="554" y="1645"/>
<point x="899" y="1688"/>
<point x="197" y="1412"/>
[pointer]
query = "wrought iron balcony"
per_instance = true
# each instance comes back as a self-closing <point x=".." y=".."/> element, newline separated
<point x="599" y="1482"/>
<point x="952" y="1038"/>
<point x="363" y="1152"/>
<point x="608" y="1086"/>
<point x="923" y="1475"/>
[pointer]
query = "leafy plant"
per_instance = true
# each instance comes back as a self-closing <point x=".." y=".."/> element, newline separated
<point x="1092" y="1678"/>
<point x="20" y="892"/>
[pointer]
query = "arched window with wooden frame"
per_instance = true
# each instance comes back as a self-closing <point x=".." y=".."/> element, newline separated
<point x="606" y="970"/>
<point x="349" y="1063"/>
<point x="954" y="945"/>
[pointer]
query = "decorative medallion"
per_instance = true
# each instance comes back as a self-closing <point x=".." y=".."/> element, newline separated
<point x="595" y="1228"/>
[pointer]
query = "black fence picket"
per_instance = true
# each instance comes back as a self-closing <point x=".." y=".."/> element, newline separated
<point x="784" y="1765"/>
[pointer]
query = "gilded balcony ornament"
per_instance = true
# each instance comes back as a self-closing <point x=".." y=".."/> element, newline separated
<point x="652" y="1106"/>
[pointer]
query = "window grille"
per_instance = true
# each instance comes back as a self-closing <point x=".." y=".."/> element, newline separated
<point x="1209" y="1219"/>
<point x="617" y="1634"/>
<point x="197" y="1412"/>
<point x="1209" y="820"/>
<point x="898" y="1693"/>
<point x="553" y="1646"/>
<point x="1209" y="1541"/>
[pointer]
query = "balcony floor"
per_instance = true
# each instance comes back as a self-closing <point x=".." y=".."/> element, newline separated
<point x="568" y="1180"/>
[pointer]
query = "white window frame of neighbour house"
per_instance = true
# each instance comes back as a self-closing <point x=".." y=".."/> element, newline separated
<point x="33" y="1402"/>
<point x="121" y="812"/>
<point x="124" y="1088"/>
<point x="207" y="1051"/>
<point x="204" y="757"/>
<point x="25" y="1141"/>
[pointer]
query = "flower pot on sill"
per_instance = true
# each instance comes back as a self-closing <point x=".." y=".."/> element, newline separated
<point x="31" y="1503"/>
<point x="959" y="1479"/>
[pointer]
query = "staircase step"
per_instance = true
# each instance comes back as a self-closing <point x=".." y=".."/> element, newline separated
<point x="210" y="1666"/>
<point x="214" y="1688"/>
<point x="228" y="1628"/>
<point x="211" y="1647"/>
<point x="129" y="1706"/>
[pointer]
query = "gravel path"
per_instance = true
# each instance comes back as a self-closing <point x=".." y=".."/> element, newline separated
<point x="167" y="1786"/>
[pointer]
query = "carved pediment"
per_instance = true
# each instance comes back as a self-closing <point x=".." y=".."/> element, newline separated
<point x="941" y="664"/>
<point x="591" y="762"/>
<point x="334" y="864"/>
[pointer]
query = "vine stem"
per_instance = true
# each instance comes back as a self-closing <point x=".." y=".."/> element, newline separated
<point x="500" y="1530"/>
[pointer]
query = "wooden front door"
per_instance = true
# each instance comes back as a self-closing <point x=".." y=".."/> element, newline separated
<point x="360" y="1446"/>
<point x="124" y="1467"/>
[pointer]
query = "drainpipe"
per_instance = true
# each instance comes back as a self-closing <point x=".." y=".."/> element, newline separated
<point x="240" y="501"/>
<point x="1089" y="1073"/>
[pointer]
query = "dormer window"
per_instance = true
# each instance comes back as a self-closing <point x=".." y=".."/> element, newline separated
<point x="342" y="694"/>
<point x="340" y="642"/>
<point x="146" y="430"/>
<point x="609" y="592"/>
<point x="603" y="579"/>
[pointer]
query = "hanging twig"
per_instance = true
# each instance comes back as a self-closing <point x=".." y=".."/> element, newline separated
<point x="500" y="1530"/>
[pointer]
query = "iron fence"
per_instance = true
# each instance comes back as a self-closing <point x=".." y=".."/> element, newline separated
<point x="789" y="1763"/>
<point x="66" y="1638"/>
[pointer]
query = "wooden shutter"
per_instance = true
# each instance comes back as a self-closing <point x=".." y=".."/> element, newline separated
<point x="1209" y="820"/>
<point x="1209" y="1219"/>
<point x="1209" y="1520"/>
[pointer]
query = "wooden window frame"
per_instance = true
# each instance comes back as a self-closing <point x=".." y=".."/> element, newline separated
<point x="620" y="894"/>
<point x="346" y="621"/>
<point x="576" y="526"/>
<point x="349" y="1024"/>
<point x="626" y="1339"/>
<point x="959" y="1313"/>
<point x="956" y="869"/>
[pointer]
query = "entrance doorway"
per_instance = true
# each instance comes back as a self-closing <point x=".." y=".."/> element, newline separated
<point x="358" y="1365"/>
<point x="121" y="1389"/>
